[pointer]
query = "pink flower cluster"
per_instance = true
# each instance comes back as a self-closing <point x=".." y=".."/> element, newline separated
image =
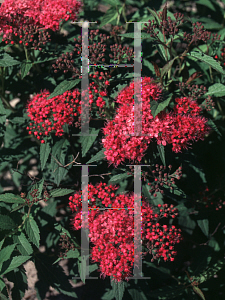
<point x="179" y="127"/>
<point x="39" y="14"/>
<point x="111" y="230"/>
<point x="50" y="115"/>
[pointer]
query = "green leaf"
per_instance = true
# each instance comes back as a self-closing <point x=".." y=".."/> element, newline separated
<point x="154" y="14"/>
<point x="32" y="231"/>
<point x="2" y="285"/>
<point x="207" y="3"/>
<point x="198" y="292"/>
<point x="3" y="297"/>
<point x="40" y="188"/>
<point x="61" y="192"/>
<point x="82" y="267"/>
<point x="8" y="61"/>
<point x="161" y="150"/>
<point x="136" y="295"/>
<point x="59" y="152"/>
<point x="118" y="289"/>
<point x="118" y="177"/>
<point x="167" y="67"/>
<point x="13" y="263"/>
<point x="213" y="126"/>
<point x="204" y="225"/>
<point x="132" y="35"/>
<point x="25" y="68"/>
<point x="87" y="141"/>
<point x="99" y="156"/>
<point x="11" y="198"/>
<point x="6" y="223"/>
<point x="1" y="243"/>
<point x="70" y="254"/>
<point x="110" y="15"/>
<point x="45" y="150"/>
<point x="23" y="244"/>
<point x="206" y="59"/>
<point x="216" y="90"/>
<point x="157" y="107"/>
<point x="6" y="252"/>
<point x="63" y="87"/>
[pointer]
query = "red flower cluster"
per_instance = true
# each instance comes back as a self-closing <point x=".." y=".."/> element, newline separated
<point x="178" y="128"/>
<point x="112" y="229"/>
<point x="50" y="115"/>
<point x="20" y="18"/>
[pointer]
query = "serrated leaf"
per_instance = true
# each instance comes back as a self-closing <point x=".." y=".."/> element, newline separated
<point x="23" y="244"/>
<point x="118" y="177"/>
<point x="32" y="231"/>
<point x="60" y="192"/>
<point x="45" y="150"/>
<point x="206" y="59"/>
<point x="110" y="15"/>
<point x="40" y="188"/>
<point x="6" y="252"/>
<point x="7" y="61"/>
<point x="63" y="87"/>
<point x="136" y="295"/>
<point x="213" y="126"/>
<point x="6" y="223"/>
<point x="70" y="254"/>
<point x="216" y="90"/>
<point x="118" y="289"/>
<point x="25" y="68"/>
<point x="87" y="141"/>
<point x="59" y="153"/>
<point x="13" y="263"/>
<point x="167" y="67"/>
<point x="198" y="292"/>
<point x="11" y="198"/>
<point x="99" y="156"/>
<point x="157" y="107"/>
<point x="204" y="225"/>
<point x="161" y="150"/>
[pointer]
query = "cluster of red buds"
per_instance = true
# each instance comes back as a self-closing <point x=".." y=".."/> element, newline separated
<point x="35" y="197"/>
<point x="116" y="30"/>
<point x="65" y="244"/>
<point x="209" y="200"/>
<point x="98" y="47"/>
<point x="166" y="25"/>
<point x="222" y="56"/>
<point x="200" y="34"/>
<point x="112" y="230"/>
<point x="162" y="178"/>
<point x="66" y="63"/>
<point x="23" y="30"/>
